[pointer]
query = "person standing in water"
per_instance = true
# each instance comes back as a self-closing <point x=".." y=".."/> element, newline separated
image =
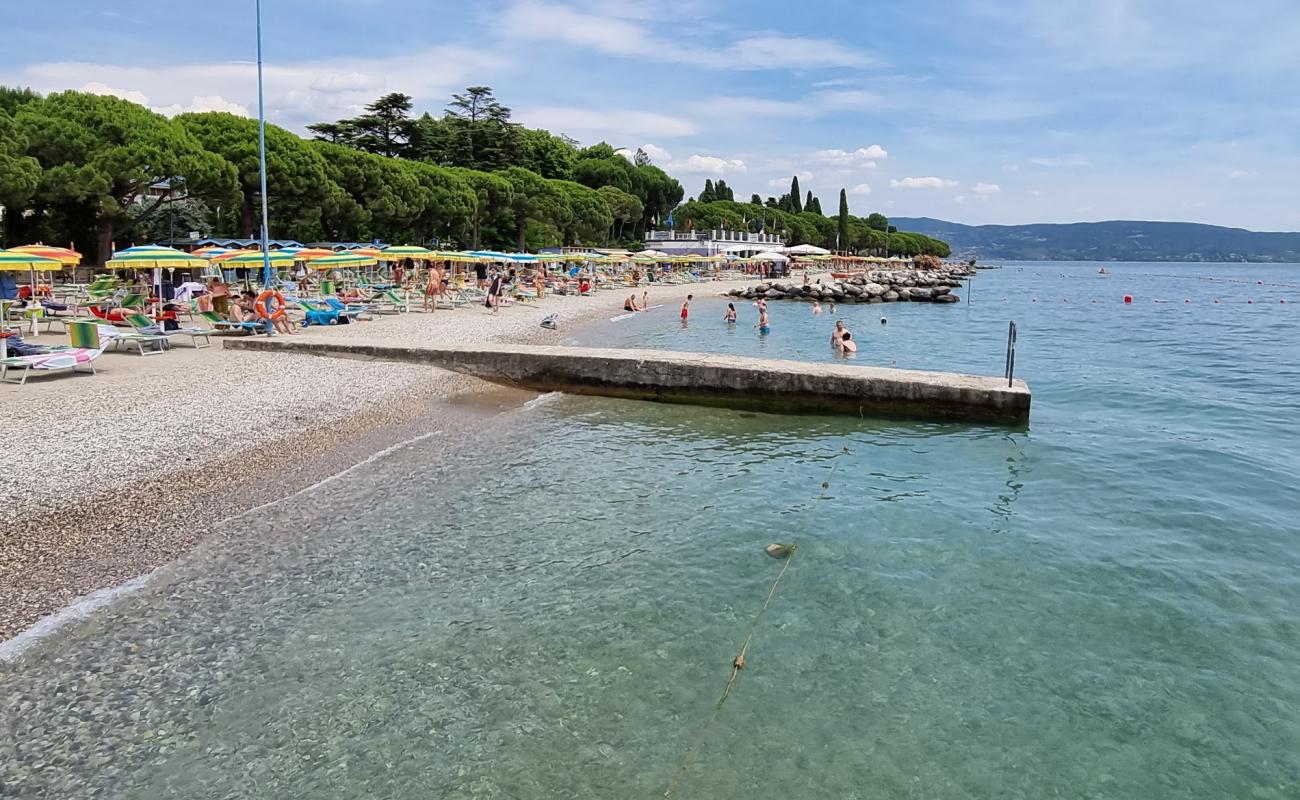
<point x="731" y="314"/>
<point x="847" y="344"/>
<point x="817" y="308"/>
<point x="837" y="335"/>
<point x="763" y="328"/>
<point x="686" y="307"/>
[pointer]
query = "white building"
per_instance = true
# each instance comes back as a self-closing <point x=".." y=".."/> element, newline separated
<point x="711" y="243"/>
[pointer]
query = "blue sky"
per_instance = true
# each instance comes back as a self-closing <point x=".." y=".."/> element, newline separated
<point x="980" y="111"/>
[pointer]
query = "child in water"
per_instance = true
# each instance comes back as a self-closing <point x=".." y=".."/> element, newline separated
<point x="686" y="307"/>
<point x="731" y="314"/>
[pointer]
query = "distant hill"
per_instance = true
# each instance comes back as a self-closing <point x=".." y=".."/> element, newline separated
<point x="1107" y="241"/>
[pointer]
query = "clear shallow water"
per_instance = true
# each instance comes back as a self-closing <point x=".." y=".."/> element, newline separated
<point x="1104" y="605"/>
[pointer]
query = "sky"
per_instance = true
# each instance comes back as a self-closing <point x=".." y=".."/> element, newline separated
<point x="976" y="111"/>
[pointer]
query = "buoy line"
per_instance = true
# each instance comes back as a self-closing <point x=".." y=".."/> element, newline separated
<point x="776" y="550"/>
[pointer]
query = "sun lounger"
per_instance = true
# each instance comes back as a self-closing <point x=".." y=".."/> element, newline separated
<point x="144" y="325"/>
<point x="388" y="302"/>
<point x="222" y="325"/>
<point x="87" y="346"/>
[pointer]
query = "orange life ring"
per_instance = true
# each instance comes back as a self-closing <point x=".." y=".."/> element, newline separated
<point x="261" y="305"/>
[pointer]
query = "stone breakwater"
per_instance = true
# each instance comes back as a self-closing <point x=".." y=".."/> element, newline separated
<point x="876" y="286"/>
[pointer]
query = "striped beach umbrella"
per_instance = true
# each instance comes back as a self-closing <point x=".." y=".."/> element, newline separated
<point x="312" y="253"/>
<point x="342" y="261"/>
<point x="66" y="257"/>
<point x="151" y="257"/>
<point x="16" y="261"/>
<point x="368" y="252"/>
<point x="406" y="251"/>
<point x="250" y="259"/>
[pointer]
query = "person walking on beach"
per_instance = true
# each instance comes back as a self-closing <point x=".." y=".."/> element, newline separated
<point x="539" y="282"/>
<point x="730" y="319"/>
<point x="494" y="293"/>
<point x="480" y="274"/>
<point x="432" y="288"/>
<point x="686" y="307"/>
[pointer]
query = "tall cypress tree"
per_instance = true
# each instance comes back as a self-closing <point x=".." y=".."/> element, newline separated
<point x="709" y="193"/>
<point x="795" y="205"/>
<point x="814" y="205"/>
<point x="807" y="201"/>
<point x="844" y="221"/>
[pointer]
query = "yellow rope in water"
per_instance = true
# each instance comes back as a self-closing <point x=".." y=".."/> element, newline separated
<point x="739" y="663"/>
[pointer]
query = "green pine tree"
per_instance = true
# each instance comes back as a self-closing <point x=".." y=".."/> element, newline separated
<point x="795" y="205"/>
<point x="843" y="227"/>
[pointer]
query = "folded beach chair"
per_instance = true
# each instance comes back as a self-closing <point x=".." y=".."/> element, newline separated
<point x="222" y="325"/>
<point x="86" y="347"/>
<point x="350" y="310"/>
<point x="143" y="324"/>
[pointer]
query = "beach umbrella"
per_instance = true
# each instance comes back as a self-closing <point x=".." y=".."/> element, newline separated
<point x="11" y="261"/>
<point x="152" y="257"/>
<point x="806" y="250"/>
<point x="254" y="259"/>
<point x="770" y="256"/>
<point x="368" y="252"/>
<point x="397" y="253"/>
<point x="312" y="253"/>
<point x="341" y="261"/>
<point x="66" y="257"/>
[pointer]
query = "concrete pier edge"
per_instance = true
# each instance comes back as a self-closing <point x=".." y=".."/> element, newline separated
<point x="769" y="385"/>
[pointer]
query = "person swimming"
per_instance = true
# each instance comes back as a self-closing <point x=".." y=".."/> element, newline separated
<point x="731" y="314"/>
<point x="817" y="308"/>
<point x="847" y="344"/>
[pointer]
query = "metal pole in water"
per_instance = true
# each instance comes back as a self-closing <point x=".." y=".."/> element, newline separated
<point x="1011" y="353"/>
<point x="261" y="159"/>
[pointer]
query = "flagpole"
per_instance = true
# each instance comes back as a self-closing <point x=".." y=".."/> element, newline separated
<point x="261" y="158"/>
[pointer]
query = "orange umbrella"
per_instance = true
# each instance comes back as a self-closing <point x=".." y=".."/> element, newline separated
<point x="312" y="253"/>
<point x="66" y="257"/>
<point x="368" y="252"/>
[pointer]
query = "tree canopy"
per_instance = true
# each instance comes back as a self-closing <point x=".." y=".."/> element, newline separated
<point x="77" y="166"/>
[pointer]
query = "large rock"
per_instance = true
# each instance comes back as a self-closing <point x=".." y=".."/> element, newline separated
<point x="874" y="289"/>
<point x="853" y="289"/>
<point x="947" y="298"/>
<point x="889" y="296"/>
<point x="773" y="294"/>
<point x="919" y="293"/>
<point x="939" y="291"/>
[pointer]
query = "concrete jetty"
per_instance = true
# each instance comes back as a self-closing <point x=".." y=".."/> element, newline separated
<point x="702" y="379"/>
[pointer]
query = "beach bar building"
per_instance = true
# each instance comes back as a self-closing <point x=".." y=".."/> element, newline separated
<point x="711" y="243"/>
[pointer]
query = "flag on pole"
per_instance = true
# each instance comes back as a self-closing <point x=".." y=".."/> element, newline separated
<point x="670" y="219"/>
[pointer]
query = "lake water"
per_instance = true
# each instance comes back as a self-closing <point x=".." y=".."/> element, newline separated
<point x="1104" y="605"/>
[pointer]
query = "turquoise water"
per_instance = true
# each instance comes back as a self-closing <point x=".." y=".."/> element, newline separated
<point x="1101" y="606"/>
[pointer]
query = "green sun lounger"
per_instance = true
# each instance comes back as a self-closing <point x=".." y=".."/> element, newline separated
<point x="143" y="324"/>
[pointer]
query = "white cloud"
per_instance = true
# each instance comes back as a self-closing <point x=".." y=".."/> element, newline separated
<point x="587" y="124"/>
<point x="1237" y="174"/>
<point x="986" y="188"/>
<point x="861" y="158"/>
<point x="929" y="182"/>
<point x="861" y="188"/>
<point x="208" y="103"/>
<point x="297" y="93"/>
<point x="1034" y="192"/>
<point x="95" y="87"/>
<point x="784" y="183"/>
<point x="961" y="198"/>
<point x="712" y="165"/>
<point x="657" y="153"/>
<point x="616" y="32"/>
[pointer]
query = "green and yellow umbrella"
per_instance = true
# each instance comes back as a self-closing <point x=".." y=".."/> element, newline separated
<point x="342" y="261"/>
<point x="253" y="259"/>
<point x="457" y="256"/>
<point x="148" y="257"/>
<point x="406" y="251"/>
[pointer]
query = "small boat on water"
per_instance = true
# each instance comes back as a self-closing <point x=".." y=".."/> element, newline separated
<point x="1102" y="271"/>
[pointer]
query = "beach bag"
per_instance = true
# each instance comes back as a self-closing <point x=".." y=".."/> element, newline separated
<point x="320" y="317"/>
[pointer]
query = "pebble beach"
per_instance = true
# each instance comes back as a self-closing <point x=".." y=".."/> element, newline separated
<point x="113" y="475"/>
